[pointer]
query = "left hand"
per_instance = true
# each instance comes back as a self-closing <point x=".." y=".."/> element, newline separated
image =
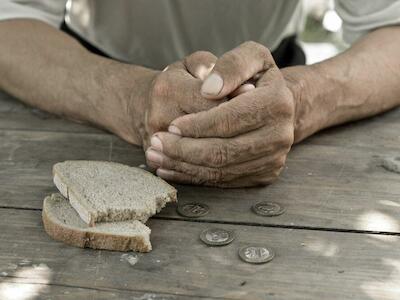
<point x="242" y="142"/>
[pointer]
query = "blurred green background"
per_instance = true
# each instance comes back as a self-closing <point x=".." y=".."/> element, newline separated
<point x="321" y="37"/>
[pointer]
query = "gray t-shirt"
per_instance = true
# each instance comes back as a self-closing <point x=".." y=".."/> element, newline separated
<point x="156" y="33"/>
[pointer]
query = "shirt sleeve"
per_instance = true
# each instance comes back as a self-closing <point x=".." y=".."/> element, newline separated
<point x="361" y="16"/>
<point x="49" y="11"/>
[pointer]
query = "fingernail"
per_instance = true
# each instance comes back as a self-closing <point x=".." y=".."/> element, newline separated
<point x="175" y="130"/>
<point x="166" y="174"/>
<point x="156" y="143"/>
<point x="154" y="157"/>
<point x="212" y="85"/>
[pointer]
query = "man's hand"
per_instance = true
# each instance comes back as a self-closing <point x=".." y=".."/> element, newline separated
<point x="52" y="71"/>
<point x="170" y="94"/>
<point x="242" y="142"/>
<point x="164" y="96"/>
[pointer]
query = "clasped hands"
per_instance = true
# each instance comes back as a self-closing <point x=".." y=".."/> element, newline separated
<point x="226" y="122"/>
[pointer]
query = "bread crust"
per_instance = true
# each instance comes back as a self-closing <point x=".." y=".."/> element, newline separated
<point x="89" y="214"/>
<point x="95" y="240"/>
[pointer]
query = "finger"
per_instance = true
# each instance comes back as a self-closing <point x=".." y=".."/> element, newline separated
<point x="174" y="93"/>
<point x="220" y="152"/>
<point x="244" y="181"/>
<point x="192" y="100"/>
<point x="242" y="89"/>
<point x="178" y="65"/>
<point x="182" y="178"/>
<point x="179" y="86"/>
<point x="241" y="114"/>
<point x="236" y="67"/>
<point x="200" y="64"/>
<point x="251" y="181"/>
<point x="265" y="164"/>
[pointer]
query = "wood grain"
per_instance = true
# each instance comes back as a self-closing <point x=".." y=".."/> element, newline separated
<point x="322" y="187"/>
<point x="9" y="286"/>
<point x="375" y="132"/>
<point x="333" y="182"/>
<point x="308" y="264"/>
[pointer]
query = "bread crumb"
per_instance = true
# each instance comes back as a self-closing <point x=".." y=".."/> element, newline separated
<point x="132" y="259"/>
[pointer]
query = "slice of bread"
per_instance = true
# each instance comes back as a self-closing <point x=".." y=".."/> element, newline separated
<point x="107" y="192"/>
<point x="62" y="223"/>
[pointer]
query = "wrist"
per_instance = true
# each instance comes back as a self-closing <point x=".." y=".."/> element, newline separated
<point x="122" y="105"/>
<point x="309" y="91"/>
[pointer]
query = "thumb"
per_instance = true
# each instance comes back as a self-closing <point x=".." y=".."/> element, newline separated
<point x="234" y="68"/>
<point x="200" y="64"/>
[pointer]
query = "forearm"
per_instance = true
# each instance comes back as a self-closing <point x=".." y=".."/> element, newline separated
<point x="361" y="82"/>
<point x="48" y="69"/>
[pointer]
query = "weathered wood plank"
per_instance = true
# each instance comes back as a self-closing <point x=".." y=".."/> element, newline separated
<point x="308" y="264"/>
<point x="381" y="130"/>
<point x="323" y="186"/>
<point x="12" y="288"/>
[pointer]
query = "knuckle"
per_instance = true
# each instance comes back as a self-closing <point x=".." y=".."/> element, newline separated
<point x="286" y="104"/>
<point x="229" y="121"/>
<point x="179" y="150"/>
<point x="233" y="64"/>
<point x="161" y="86"/>
<point x="287" y="137"/>
<point x="219" y="155"/>
<point x="171" y="164"/>
<point x="200" y="55"/>
<point x="214" y="175"/>
<point x="233" y="60"/>
<point x="196" y="180"/>
<point x="153" y="124"/>
<point x="189" y="125"/>
<point x="251" y="44"/>
<point x="280" y="162"/>
<point x="260" y="50"/>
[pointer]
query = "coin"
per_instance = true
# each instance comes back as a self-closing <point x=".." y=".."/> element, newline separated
<point x="193" y="210"/>
<point x="268" y="209"/>
<point x="217" y="236"/>
<point x="256" y="254"/>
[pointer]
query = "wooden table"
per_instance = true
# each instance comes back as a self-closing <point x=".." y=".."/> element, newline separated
<point x="338" y="239"/>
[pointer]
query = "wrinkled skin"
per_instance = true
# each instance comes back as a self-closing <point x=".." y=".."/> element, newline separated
<point x="175" y="92"/>
<point x="196" y="136"/>
<point x="242" y="142"/>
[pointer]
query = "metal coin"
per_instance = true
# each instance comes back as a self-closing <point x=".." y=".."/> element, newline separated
<point x="268" y="209"/>
<point x="217" y="236"/>
<point x="256" y="254"/>
<point x="193" y="210"/>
